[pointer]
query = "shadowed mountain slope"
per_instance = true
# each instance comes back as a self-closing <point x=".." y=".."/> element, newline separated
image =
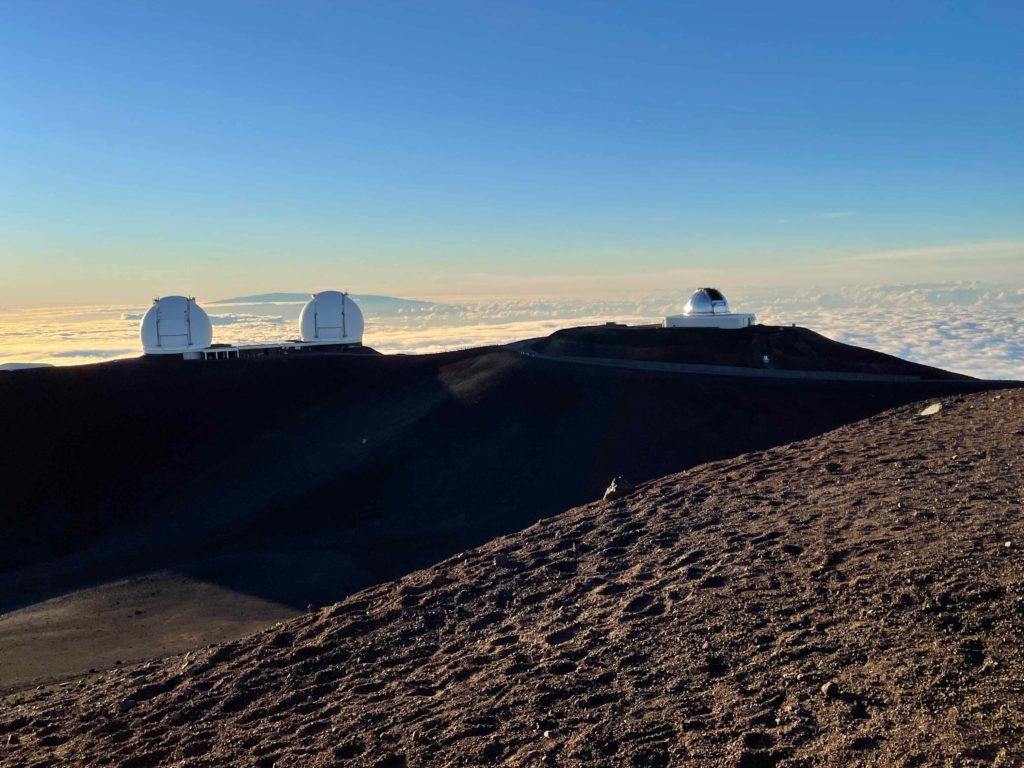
<point x="853" y="599"/>
<point x="296" y="480"/>
<point x="785" y="348"/>
<point x="180" y="459"/>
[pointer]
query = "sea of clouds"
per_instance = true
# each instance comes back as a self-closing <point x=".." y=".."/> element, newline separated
<point x="966" y="327"/>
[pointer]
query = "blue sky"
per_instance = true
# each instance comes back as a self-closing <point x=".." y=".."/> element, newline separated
<point x="481" y="148"/>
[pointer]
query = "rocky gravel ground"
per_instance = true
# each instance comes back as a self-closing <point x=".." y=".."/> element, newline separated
<point x="853" y="599"/>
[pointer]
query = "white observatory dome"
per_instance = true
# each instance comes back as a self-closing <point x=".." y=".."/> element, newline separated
<point x="175" y="325"/>
<point x="706" y="301"/>
<point x="331" y="317"/>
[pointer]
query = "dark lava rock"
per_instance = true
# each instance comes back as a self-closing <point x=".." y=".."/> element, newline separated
<point x="830" y="690"/>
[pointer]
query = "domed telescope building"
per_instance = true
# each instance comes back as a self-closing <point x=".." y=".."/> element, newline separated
<point x="331" y="317"/>
<point x="176" y="325"/>
<point x="708" y="308"/>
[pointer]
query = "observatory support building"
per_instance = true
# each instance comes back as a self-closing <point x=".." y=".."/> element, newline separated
<point x="708" y="308"/>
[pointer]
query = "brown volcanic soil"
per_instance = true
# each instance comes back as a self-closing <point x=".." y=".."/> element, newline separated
<point x="787" y="348"/>
<point x="853" y="599"/>
<point x="296" y="480"/>
<point x="153" y="615"/>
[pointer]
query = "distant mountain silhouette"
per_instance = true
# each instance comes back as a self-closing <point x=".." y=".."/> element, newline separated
<point x="366" y="300"/>
<point x="23" y="366"/>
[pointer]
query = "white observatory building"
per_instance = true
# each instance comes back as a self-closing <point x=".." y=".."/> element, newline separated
<point x="331" y="317"/>
<point x="176" y="325"/>
<point x="708" y="308"/>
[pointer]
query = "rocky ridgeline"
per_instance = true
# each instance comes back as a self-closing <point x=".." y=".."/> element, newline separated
<point x="854" y="599"/>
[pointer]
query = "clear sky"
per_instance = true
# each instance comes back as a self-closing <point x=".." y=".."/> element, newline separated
<point x="487" y="148"/>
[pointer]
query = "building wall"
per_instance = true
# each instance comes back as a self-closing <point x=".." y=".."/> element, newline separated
<point x="739" y="320"/>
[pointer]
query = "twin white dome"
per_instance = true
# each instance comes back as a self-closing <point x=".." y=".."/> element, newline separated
<point x="331" y="317"/>
<point x="175" y="325"/>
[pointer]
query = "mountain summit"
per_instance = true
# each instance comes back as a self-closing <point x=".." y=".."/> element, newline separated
<point x="852" y="599"/>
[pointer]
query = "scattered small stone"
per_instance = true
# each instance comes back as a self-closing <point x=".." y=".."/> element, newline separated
<point x="932" y="409"/>
<point x="502" y="560"/>
<point x="619" y="487"/>
<point x="440" y="580"/>
<point x="126" y="705"/>
<point x="830" y="690"/>
<point x="550" y="734"/>
<point x="194" y="666"/>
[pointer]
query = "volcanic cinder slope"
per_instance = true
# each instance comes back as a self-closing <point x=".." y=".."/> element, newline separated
<point x="852" y="599"/>
<point x="781" y="347"/>
<point x="149" y="507"/>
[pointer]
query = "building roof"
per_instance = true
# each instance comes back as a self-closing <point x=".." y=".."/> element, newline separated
<point x="706" y="301"/>
<point x="331" y="316"/>
<point x="175" y="324"/>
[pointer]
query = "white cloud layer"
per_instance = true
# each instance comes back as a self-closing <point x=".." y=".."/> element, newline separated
<point x="966" y="327"/>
